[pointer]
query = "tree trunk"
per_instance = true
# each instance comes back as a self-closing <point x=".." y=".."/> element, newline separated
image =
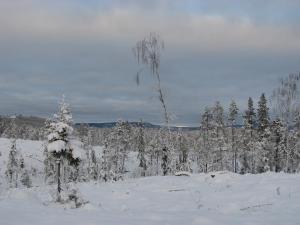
<point x="58" y="181"/>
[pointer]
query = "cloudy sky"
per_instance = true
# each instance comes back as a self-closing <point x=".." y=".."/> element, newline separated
<point x="214" y="50"/>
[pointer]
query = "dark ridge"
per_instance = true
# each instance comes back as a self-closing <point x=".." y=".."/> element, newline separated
<point x="137" y="124"/>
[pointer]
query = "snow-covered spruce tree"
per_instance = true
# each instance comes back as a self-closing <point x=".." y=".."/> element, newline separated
<point x="279" y="140"/>
<point x="204" y="158"/>
<point x="233" y="113"/>
<point x="294" y="144"/>
<point x="103" y="173"/>
<point x="219" y="139"/>
<point x="62" y="160"/>
<point x="141" y="147"/>
<point x="249" y="153"/>
<point x="263" y="132"/>
<point x="250" y="117"/>
<point x="262" y="115"/>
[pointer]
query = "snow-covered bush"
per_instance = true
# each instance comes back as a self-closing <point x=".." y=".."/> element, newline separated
<point x="16" y="173"/>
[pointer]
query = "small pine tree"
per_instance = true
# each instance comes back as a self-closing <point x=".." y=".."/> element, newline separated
<point x="106" y="171"/>
<point x="12" y="171"/>
<point x="262" y="115"/>
<point x="250" y="116"/>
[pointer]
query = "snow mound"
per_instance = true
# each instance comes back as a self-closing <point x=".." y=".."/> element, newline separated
<point x="183" y="173"/>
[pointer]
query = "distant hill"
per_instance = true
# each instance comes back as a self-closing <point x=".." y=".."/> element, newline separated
<point x="137" y="124"/>
<point x="38" y="122"/>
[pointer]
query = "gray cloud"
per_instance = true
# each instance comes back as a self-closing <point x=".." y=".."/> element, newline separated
<point x="86" y="53"/>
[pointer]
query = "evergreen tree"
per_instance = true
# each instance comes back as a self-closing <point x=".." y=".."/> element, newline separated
<point x="12" y="171"/>
<point x="165" y="164"/>
<point x="250" y="116"/>
<point x="106" y="172"/>
<point x="295" y="150"/>
<point x="219" y="137"/>
<point x="263" y="128"/>
<point x="279" y="141"/>
<point x="233" y="112"/>
<point x="206" y="130"/>
<point x="249" y="151"/>
<point x="262" y="115"/>
<point x="61" y="157"/>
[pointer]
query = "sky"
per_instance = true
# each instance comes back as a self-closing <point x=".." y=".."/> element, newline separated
<point x="215" y="50"/>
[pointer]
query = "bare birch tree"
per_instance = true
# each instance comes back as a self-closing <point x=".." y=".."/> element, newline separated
<point x="148" y="52"/>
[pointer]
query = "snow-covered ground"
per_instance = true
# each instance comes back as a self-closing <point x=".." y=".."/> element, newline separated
<point x="200" y="199"/>
<point x="265" y="199"/>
